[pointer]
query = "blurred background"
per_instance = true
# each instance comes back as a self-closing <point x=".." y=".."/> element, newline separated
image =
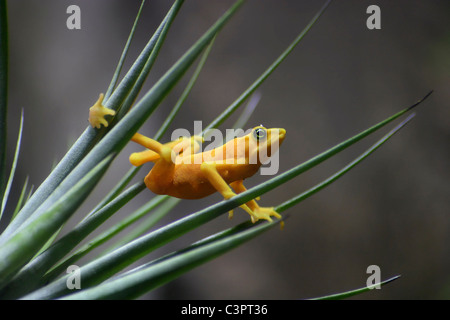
<point x="392" y="210"/>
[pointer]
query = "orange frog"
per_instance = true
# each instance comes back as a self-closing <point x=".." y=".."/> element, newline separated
<point x="181" y="171"/>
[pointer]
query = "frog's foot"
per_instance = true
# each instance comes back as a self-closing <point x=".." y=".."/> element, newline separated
<point x="265" y="213"/>
<point x="256" y="212"/>
<point x="98" y="112"/>
<point x="253" y="209"/>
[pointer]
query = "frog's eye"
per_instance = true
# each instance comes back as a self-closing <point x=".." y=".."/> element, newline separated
<point x="259" y="133"/>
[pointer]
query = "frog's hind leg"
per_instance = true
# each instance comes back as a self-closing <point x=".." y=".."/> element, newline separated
<point x="257" y="212"/>
<point x="186" y="145"/>
<point x="139" y="158"/>
<point x="216" y="180"/>
<point x="167" y="151"/>
<point x="157" y="150"/>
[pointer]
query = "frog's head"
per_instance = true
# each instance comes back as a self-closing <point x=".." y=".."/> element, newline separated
<point x="255" y="148"/>
<point x="263" y="143"/>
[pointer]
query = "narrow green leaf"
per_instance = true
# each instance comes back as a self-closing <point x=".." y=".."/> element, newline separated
<point x="137" y="283"/>
<point x="13" y="168"/>
<point x="21" y="199"/>
<point x="48" y="243"/>
<point x="351" y="293"/>
<point x="116" y="74"/>
<point x="132" y="89"/>
<point x="3" y="93"/>
<point x="18" y="250"/>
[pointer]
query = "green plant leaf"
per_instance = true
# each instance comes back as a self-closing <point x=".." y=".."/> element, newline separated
<point x="13" y="169"/>
<point x="116" y="74"/>
<point x="22" y="199"/>
<point x="3" y="93"/>
<point x="19" y="249"/>
<point x="132" y="89"/>
<point x="351" y="293"/>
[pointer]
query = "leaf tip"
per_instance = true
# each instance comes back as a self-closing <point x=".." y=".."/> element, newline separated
<point x="420" y="101"/>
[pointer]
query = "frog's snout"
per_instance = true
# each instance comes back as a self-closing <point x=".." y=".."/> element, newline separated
<point x="281" y="134"/>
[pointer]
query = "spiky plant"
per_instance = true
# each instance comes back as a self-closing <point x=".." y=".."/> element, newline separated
<point x="35" y="257"/>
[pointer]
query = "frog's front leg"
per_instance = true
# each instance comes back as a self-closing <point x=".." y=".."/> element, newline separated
<point x="216" y="180"/>
<point x="258" y="212"/>
<point x="98" y="112"/>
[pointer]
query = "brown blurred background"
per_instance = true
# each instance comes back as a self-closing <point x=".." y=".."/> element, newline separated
<point x="392" y="210"/>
